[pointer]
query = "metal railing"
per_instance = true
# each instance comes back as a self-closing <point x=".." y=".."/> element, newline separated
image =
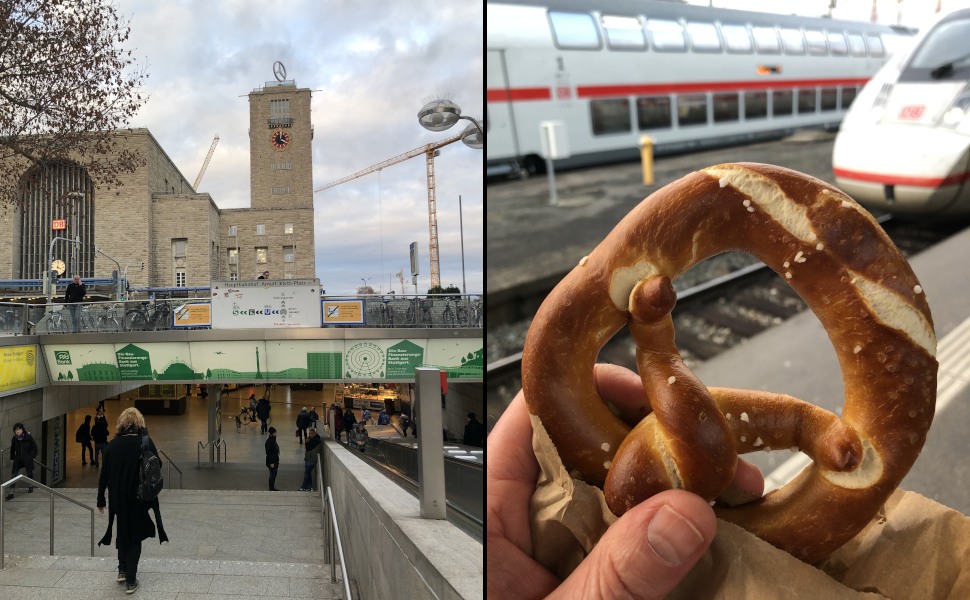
<point x="5" y="451"/>
<point x="333" y="543"/>
<point x="219" y="446"/>
<point x="171" y="463"/>
<point x="441" y="311"/>
<point x="53" y="492"/>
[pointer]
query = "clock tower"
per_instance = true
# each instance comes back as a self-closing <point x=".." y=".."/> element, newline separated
<point x="280" y="135"/>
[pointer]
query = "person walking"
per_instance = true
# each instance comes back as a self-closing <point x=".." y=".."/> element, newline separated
<point x="253" y="403"/>
<point x="99" y="433"/>
<point x="76" y="290"/>
<point x="263" y="409"/>
<point x="383" y="418"/>
<point x="338" y="421"/>
<point x="359" y="439"/>
<point x="23" y="451"/>
<point x="83" y="436"/>
<point x="474" y="432"/>
<point x="312" y="450"/>
<point x="349" y="421"/>
<point x="265" y="275"/>
<point x="272" y="458"/>
<point x="314" y="417"/>
<point x="119" y="477"/>
<point x="302" y="422"/>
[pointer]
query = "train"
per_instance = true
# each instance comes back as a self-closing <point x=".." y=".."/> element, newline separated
<point x="607" y="73"/>
<point x="904" y="146"/>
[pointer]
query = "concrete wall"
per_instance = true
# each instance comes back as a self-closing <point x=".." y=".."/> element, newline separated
<point x="390" y="551"/>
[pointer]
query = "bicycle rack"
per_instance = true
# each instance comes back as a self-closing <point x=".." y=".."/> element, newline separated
<point x="220" y="447"/>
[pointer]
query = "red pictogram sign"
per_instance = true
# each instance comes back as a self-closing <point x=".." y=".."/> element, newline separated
<point x="59" y="224"/>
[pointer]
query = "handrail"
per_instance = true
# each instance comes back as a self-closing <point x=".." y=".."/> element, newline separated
<point x="219" y="446"/>
<point x="334" y="542"/>
<point x="53" y="492"/>
<point x="171" y="463"/>
<point x="4" y="451"/>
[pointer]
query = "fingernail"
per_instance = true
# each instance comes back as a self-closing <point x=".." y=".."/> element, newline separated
<point x="673" y="537"/>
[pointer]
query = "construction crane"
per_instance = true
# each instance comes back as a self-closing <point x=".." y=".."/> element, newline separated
<point x="429" y="151"/>
<point x="400" y="277"/>
<point x="208" y="157"/>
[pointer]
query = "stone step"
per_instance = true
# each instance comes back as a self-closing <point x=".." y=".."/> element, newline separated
<point x="284" y="527"/>
<point x="82" y="578"/>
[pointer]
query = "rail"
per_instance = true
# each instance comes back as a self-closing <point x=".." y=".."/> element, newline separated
<point x="333" y="533"/>
<point x="171" y="463"/>
<point x="53" y="492"/>
<point x="219" y="446"/>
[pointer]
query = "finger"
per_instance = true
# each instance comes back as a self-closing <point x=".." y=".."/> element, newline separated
<point x="511" y="475"/>
<point x="748" y="485"/>
<point x="622" y="388"/>
<point x="646" y="552"/>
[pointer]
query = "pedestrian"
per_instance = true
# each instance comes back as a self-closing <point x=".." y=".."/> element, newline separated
<point x="383" y="418"/>
<point x="314" y="417"/>
<point x="408" y="423"/>
<point x="265" y="275"/>
<point x="263" y="409"/>
<point x="120" y="478"/>
<point x="312" y="450"/>
<point x="364" y="416"/>
<point x="83" y="436"/>
<point x="99" y="433"/>
<point x="360" y="436"/>
<point x="272" y="458"/>
<point x="338" y="421"/>
<point x="76" y="290"/>
<point x="252" y="406"/>
<point x="23" y="451"/>
<point x="349" y="420"/>
<point x="474" y="432"/>
<point x="302" y="422"/>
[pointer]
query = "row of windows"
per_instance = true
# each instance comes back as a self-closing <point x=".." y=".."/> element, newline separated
<point x="261" y="254"/>
<point x="281" y="166"/>
<point x="579" y="31"/>
<point x="234" y="276"/>
<point x="282" y="189"/>
<point x="613" y="115"/>
<point x="260" y="229"/>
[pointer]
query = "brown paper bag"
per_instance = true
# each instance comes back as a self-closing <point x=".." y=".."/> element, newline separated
<point x="914" y="549"/>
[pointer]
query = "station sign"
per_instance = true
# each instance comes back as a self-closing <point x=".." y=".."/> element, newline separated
<point x="265" y="304"/>
<point x="59" y="224"/>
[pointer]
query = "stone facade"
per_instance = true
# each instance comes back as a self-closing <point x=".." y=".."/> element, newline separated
<point x="155" y="218"/>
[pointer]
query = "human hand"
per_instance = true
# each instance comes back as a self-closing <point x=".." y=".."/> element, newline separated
<point x="100" y="510"/>
<point x="645" y="554"/>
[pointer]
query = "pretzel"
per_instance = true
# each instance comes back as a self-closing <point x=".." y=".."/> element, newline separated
<point x="838" y="259"/>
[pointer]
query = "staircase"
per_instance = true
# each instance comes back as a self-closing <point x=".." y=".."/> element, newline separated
<point x="222" y="544"/>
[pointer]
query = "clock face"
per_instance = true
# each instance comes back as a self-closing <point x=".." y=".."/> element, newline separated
<point x="59" y="266"/>
<point x="280" y="139"/>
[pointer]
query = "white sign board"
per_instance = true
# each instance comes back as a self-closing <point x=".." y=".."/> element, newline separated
<point x="265" y="304"/>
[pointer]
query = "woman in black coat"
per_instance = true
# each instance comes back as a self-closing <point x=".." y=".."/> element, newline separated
<point x="119" y="476"/>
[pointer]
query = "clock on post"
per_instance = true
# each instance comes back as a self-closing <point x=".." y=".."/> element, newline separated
<point x="280" y="139"/>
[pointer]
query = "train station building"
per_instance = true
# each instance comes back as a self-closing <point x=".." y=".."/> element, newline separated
<point x="155" y="218"/>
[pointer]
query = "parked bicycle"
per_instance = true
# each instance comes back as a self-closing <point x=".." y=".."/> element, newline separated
<point x="448" y="317"/>
<point x="55" y="321"/>
<point x="149" y="316"/>
<point x="248" y="416"/>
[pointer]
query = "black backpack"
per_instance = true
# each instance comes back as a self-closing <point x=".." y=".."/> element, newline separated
<point x="149" y="473"/>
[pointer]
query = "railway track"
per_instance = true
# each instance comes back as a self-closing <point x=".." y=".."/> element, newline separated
<point x="710" y="317"/>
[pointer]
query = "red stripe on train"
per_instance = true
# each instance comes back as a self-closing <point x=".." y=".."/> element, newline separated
<point x="889" y="179"/>
<point x="518" y="94"/>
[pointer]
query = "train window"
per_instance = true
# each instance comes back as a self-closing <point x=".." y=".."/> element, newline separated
<point x="755" y="105"/>
<point x="766" y="39"/>
<point x="726" y="108"/>
<point x="781" y="103"/>
<point x="667" y="36"/>
<point x="610" y="116"/>
<point x="857" y="45"/>
<point x="653" y="113"/>
<point x="837" y="43"/>
<point x="848" y="95"/>
<point x="816" y="42"/>
<point x="806" y="101"/>
<point x="875" y="45"/>
<point x="692" y="109"/>
<point x="793" y="41"/>
<point x="736" y="38"/>
<point x="703" y="37"/>
<point x="574" y="30"/>
<point x="624" y="33"/>
<point x="830" y="98"/>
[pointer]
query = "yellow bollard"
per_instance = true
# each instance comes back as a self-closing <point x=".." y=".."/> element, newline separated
<point x="646" y="157"/>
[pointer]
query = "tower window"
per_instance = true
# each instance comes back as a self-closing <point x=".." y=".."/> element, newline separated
<point x="178" y="247"/>
<point x="260" y="230"/>
<point x="288" y="254"/>
<point x="288" y="228"/>
<point x="232" y="231"/>
<point x="233" y="276"/>
<point x="279" y="114"/>
<point x="261" y="256"/>
<point x="281" y="189"/>
<point x="233" y="256"/>
<point x="180" y="278"/>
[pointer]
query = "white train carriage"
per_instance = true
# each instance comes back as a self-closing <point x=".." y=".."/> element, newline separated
<point x="686" y="76"/>
<point x="904" y="147"/>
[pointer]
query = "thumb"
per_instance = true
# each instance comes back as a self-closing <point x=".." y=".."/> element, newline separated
<point x="647" y="551"/>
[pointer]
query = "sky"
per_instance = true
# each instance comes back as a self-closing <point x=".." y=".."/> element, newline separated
<point x="371" y="65"/>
